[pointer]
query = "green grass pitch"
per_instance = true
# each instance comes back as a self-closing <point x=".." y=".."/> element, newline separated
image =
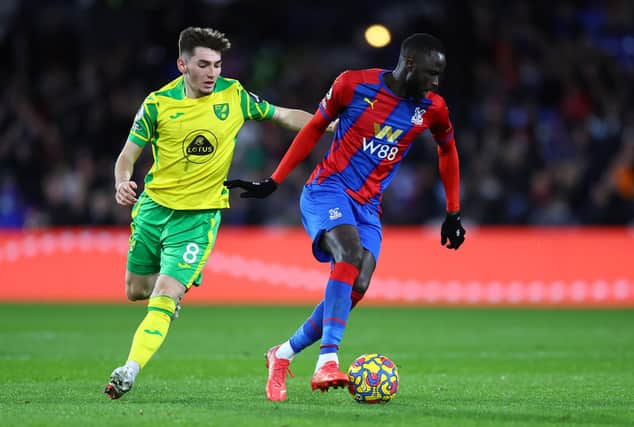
<point x="458" y="367"/>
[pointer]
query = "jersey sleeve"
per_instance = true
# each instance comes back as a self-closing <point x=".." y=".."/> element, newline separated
<point x="337" y="97"/>
<point x="144" y="124"/>
<point x="441" y="128"/>
<point x="448" y="161"/>
<point x="253" y="107"/>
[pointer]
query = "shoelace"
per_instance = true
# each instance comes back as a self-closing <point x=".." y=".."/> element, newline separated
<point x="279" y="370"/>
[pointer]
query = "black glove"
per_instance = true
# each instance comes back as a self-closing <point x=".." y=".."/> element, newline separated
<point x="452" y="229"/>
<point x="257" y="189"/>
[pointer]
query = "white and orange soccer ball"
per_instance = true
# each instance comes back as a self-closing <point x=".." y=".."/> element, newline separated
<point x="373" y="379"/>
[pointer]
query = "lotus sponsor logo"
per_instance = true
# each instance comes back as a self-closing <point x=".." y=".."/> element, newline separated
<point x="199" y="146"/>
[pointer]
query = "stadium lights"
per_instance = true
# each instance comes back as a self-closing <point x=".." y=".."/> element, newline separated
<point x="377" y="35"/>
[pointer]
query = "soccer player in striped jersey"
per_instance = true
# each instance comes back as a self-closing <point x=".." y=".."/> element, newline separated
<point x="191" y="124"/>
<point x="380" y="114"/>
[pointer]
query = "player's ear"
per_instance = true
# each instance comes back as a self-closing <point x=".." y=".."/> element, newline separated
<point x="181" y="64"/>
<point x="410" y="64"/>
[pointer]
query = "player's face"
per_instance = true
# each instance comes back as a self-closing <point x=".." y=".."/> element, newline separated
<point x="424" y="73"/>
<point x="201" y="70"/>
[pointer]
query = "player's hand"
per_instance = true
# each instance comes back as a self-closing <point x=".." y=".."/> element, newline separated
<point x="452" y="230"/>
<point x="125" y="193"/>
<point x="257" y="189"/>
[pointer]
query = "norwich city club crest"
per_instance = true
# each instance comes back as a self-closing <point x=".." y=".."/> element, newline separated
<point x="221" y="110"/>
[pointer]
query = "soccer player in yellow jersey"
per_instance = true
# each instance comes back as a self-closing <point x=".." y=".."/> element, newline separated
<point x="191" y="124"/>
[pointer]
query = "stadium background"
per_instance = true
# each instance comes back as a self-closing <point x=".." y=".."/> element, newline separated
<point x="539" y="92"/>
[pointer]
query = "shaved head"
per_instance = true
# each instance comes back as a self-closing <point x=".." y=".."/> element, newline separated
<point x="421" y="62"/>
<point x="420" y="43"/>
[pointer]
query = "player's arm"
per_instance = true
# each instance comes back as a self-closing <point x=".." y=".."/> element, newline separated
<point x="143" y="128"/>
<point x="301" y="146"/>
<point x="294" y="119"/>
<point x="449" y="169"/>
<point x="330" y="107"/>
<point x="125" y="189"/>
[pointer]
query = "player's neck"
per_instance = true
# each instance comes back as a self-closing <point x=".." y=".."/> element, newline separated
<point x="397" y="86"/>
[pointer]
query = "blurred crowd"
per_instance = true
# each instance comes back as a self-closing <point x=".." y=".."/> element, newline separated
<point x="540" y="94"/>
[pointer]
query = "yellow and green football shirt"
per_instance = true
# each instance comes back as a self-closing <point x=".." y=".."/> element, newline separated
<point x="193" y="141"/>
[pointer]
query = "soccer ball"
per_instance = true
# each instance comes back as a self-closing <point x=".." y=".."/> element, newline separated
<point x="373" y="379"/>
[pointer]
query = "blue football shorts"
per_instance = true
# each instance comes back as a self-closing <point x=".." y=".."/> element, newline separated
<point x="324" y="208"/>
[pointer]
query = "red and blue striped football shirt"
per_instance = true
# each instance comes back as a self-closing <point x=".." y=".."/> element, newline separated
<point x="375" y="131"/>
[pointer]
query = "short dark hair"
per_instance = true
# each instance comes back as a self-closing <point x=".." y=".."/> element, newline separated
<point x="421" y="43"/>
<point x="192" y="37"/>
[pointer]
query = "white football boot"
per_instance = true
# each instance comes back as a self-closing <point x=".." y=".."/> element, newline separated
<point x="121" y="382"/>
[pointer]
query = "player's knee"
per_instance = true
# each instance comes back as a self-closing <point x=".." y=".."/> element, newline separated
<point x="361" y="285"/>
<point x="134" y="294"/>
<point x="353" y="256"/>
<point x="169" y="287"/>
<point x="136" y="291"/>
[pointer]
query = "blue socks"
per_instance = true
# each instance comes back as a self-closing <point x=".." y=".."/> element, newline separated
<point x="310" y="331"/>
<point x="328" y="320"/>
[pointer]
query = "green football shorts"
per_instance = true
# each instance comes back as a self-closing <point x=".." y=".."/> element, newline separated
<point x="175" y="243"/>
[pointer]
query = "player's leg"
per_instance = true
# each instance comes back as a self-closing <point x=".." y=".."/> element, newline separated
<point x="361" y="285"/>
<point x="183" y="257"/>
<point x="314" y="208"/>
<point x="329" y="218"/>
<point x="318" y="215"/>
<point x="278" y="358"/>
<point x="152" y="331"/>
<point x="371" y="235"/>
<point x="139" y="286"/>
<point x="149" y="335"/>
<point x="143" y="265"/>
<point x="310" y="331"/>
<point x="344" y="245"/>
<point x="144" y="251"/>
